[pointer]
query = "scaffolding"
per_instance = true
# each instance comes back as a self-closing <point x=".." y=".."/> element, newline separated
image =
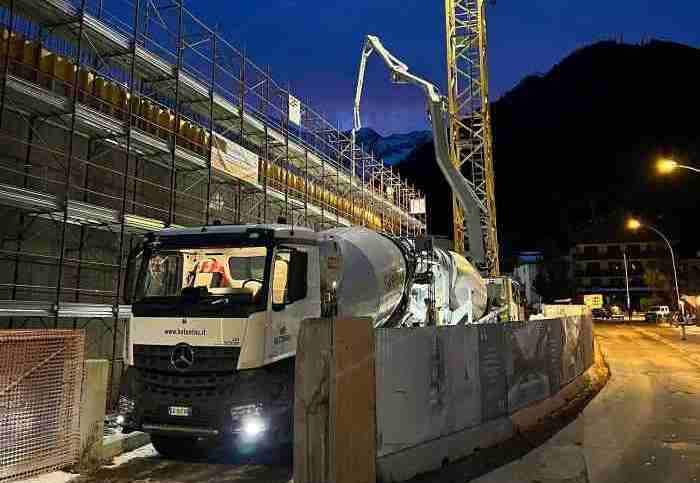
<point x="119" y="117"/>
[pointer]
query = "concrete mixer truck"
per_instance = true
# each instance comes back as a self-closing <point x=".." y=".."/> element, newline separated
<point x="216" y="311"/>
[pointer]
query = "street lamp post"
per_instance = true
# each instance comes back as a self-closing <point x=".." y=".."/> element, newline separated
<point x="634" y="224"/>
<point x="627" y="284"/>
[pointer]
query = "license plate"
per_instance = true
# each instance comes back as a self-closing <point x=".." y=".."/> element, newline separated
<point x="179" y="411"/>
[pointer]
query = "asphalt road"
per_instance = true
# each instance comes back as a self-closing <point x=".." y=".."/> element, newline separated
<point x="644" y="426"/>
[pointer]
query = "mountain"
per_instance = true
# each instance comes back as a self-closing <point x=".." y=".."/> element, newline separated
<point x="580" y="141"/>
<point x="394" y="148"/>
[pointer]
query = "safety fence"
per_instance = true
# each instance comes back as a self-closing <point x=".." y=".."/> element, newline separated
<point x="41" y="373"/>
<point x="436" y="381"/>
<point x="104" y="339"/>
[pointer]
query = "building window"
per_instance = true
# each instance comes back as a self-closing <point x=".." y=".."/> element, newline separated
<point x="614" y="251"/>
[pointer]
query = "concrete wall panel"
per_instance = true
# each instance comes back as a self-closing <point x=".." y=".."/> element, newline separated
<point x="572" y="353"/>
<point x="527" y="363"/>
<point x="428" y="385"/>
<point x="492" y="372"/>
<point x="556" y="344"/>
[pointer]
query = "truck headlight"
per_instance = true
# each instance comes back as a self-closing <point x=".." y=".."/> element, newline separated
<point x="253" y="426"/>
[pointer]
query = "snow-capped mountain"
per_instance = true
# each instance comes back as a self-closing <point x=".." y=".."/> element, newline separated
<point x="394" y="148"/>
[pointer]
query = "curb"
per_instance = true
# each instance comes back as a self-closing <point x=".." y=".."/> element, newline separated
<point x="118" y="444"/>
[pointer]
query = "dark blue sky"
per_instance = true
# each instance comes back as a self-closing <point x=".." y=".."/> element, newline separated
<point x="315" y="44"/>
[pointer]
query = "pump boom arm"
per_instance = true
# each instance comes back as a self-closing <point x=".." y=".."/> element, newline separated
<point x="437" y="112"/>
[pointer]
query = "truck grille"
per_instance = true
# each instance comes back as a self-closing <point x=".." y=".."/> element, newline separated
<point x="206" y="360"/>
<point x="211" y="379"/>
<point x="189" y="386"/>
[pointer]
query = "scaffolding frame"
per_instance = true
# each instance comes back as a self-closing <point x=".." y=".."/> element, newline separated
<point x="116" y="125"/>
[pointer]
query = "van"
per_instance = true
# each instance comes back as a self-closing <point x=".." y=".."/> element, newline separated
<point x="658" y="312"/>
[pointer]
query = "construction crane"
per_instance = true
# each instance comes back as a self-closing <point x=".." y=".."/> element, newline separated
<point x="470" y="144"/>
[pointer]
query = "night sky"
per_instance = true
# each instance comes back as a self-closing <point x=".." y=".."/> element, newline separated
<point x="314" y="45"/>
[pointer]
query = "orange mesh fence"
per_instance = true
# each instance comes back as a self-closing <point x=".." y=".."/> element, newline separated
<point x="41" y="373"/>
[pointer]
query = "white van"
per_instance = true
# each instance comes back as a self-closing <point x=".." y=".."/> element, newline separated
<point x="662" y="312"/>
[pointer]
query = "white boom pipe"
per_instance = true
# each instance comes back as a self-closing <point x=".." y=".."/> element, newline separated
<point x="437" y="112"/>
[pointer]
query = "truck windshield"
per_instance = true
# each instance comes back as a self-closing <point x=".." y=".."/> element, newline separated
<point x="202" y="280"/>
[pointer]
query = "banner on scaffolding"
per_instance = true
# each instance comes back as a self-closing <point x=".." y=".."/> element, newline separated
<point x="418" y="206"/>
<point x="294" y="110"/>
<point x="234" y="160"/>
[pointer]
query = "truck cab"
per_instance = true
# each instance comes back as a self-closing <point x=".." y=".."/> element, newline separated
<point x="215" y="316"/>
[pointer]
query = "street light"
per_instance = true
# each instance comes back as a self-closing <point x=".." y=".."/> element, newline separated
<point x="634" y="224"/>
<point x="666" y="166"/>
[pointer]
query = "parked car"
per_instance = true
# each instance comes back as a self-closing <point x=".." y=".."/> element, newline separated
<point x="658" y="313"/>
<point x="616" y="312"/>
<point x="601" y="313"/>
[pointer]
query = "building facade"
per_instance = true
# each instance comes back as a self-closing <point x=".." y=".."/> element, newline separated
<point x="599" y="257"/>
<point x="600" y="268"/>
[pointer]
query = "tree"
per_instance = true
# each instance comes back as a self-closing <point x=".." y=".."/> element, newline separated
<point x="553" y="281"/>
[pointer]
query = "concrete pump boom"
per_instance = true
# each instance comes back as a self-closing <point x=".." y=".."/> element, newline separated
<point x="437" y="112"/>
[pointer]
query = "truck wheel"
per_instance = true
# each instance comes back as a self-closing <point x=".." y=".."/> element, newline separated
<point x="174" y="448"/>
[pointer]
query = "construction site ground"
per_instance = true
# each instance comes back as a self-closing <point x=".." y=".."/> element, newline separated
<point x="644" y="426"/>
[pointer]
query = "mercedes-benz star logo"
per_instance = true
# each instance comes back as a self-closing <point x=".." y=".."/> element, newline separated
<point x="182" y="356"/>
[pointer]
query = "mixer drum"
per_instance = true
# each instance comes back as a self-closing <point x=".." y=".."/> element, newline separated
<point x="369" y="272"/>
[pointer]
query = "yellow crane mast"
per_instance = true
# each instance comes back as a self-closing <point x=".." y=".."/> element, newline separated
<point x="469" y="120"/>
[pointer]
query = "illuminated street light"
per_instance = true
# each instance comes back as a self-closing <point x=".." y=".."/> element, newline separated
<point x="666" y="166"/>
<point x="634" y="224"/>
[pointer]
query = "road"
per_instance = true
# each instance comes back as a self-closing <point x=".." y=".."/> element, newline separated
<point x="644" y="426"/>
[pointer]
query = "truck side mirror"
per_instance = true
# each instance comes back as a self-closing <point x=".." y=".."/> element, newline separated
<point x="129" y="276"/>
<point x="135" y="272"/>
<point x="297" y="281"/>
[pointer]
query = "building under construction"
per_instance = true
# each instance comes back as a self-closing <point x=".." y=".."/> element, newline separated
<point x="119" y="117"/>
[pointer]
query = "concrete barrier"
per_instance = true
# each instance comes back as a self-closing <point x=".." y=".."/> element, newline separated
<point x="441" y="392"/>
<point x="92" y="413"/>
<point x="334" y="407"/>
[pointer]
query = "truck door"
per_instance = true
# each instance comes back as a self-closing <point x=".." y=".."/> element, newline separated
<point x="294" y="296"/>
